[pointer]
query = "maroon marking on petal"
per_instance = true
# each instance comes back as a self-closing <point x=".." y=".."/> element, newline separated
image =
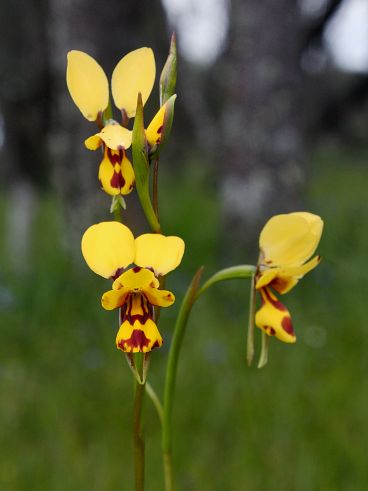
<point x="279" y="283"/>
<point x="278" y="305"/>
<point x="117" y="273"/>
<point x="117" y="180"/>
<point x="136" y="269"/>
<point x="137" y="340"/>
<point x="126" y="310"/>
<point x="160" y="129"/>
<point x="287" y="325"/>
<point x="156" y="344"/>
<point x="120" y="147"/>
<point x="115" y="158"/>
<point x="270" y="330"/>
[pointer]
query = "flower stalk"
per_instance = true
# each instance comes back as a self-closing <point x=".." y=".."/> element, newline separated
<point x="171" y="370"/>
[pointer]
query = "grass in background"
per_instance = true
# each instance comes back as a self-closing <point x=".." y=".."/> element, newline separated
<point x="297" y="425"/>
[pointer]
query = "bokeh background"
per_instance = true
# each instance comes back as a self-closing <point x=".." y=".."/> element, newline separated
<point x="271" y="116"/>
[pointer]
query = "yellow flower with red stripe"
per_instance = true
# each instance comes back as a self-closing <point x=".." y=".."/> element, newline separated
<point x="134" y="265"/>
<point x="89" y="88"/>
<point x="286" y="244"/>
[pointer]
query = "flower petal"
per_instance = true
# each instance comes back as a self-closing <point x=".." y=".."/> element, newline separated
<point x="161" y="298"/>
<point x="114" y="298"/>
<point x="290" y="239"/>
<point x="161" y="253"/>
<point x="134" y="73"/>
<point x="109" y="175"/>
<point x="274" y="318"/>
<point x="108" y="247"/>
<point x="159" y="128"/>
<point x="128" y="175"/>
<point x="287" y="278"/>
<point x="93" y="142"/>
<point x="116" y="137"/>
<point x="154" y="130"/>
<point x="136" y="280"/>
<point x="87" y="84"/>
<point x="138" y="337"/>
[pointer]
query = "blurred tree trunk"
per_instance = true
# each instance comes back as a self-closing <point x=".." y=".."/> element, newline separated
<point x="262" y="147"/>
<point x="106" y="31"/>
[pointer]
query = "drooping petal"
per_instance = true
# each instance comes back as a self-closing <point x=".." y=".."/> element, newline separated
<point x="161" y="298"/>
<point x="136" y="280"/>
<point x="116" y="173"/>
<point x="161" y="253"/>
<point x="290" y="239"/>
<point x="109" y="175"/>
<point x="274" y="318"/>
<point x="134" y="73"/>
<point x="114" y="298"/>
<point x="127" y="172"/>
<point x="93" y="142"/>
<point x="138" y="337"/>
<point x="87" y="84"/>
<point x="108" y="247"/>
<point x="116" y="136"/>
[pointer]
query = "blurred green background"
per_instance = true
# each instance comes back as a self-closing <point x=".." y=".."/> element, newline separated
<point x="271" y="117"/>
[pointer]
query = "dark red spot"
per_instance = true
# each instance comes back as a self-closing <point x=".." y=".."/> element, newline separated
<point x="159" y="131"/>
<point x="136" y="269"/>
<point x="115" y="158"/>
<point x="137" y="340"/>
<point x="287" y="325"/>
<point x="117" y="180"/>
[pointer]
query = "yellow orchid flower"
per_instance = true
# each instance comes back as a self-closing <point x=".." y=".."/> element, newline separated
<point x="89" y="89"/>
<point x="110" y="250"/>
<point x="286" y="244"/>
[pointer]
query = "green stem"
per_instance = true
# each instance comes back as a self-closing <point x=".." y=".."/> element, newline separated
<point x="155" y="401"/>
<point x="264" y="351"/>
<point x="155" y="187"/>
<point x="138" y="437"/>
<point x="171" y="370"/>
<point x="252" y="309"/>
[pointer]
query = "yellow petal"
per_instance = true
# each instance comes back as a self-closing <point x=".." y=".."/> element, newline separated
<point x="138" y="337"/>
<point x="284" y="279"/>
<point x="287" y="278"/>
<point x="108" y="247"/>
<point x="116" y="137"/>
<point x="128" y="175"/>
<point x="87" y="84"/>
<point x="266" y="277"/>
<point x="161" y="253"/>
<point x="109" y="175"/>
<point x="116" y="173"/>
<point x="290" y="239"/>
<point x="161" y="298"/>
<point x="156" y="128"/>
<point x="274" y="318"/>
<point x="114" y="298"/>
<point x="93" y="142"/>
<point x="136" y="279"/>
<point x="134" y="73"/>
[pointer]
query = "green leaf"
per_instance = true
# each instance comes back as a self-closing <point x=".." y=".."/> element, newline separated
<point x="141" y="167"/>
<point x="232" y="273"/>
